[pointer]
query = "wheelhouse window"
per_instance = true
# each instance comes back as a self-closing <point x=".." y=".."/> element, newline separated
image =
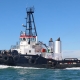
<point x="24" y="39"/>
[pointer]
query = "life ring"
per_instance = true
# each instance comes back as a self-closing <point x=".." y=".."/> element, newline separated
<point x="16" y="58"/>
<point x="10" y="58"/>
<point x="14" y="52"/>
<point x="32" y="61"/>
<point x="5" y="57"/>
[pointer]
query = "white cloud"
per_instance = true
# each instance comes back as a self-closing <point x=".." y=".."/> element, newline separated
<point x="71" y="54"/>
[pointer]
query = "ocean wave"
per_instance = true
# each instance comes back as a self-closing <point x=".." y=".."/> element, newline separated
<point x="5" y="66"/>
<point x="74" y="68"/>
<point x="16" y="67"/>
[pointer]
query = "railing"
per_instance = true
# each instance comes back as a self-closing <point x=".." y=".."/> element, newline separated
<point x="15" y="47"/>
<point x="70" y="59"/>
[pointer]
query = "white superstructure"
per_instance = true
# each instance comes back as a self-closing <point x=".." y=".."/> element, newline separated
<point x="24" y="47"/>
<point x="38" y="48"/>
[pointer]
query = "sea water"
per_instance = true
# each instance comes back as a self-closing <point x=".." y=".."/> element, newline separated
<point x="30" y="73"/>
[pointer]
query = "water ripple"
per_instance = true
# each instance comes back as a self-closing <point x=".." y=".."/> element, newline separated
<point x="21" y="73"/>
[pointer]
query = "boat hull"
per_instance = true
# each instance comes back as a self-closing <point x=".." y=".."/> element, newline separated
<point x="37" y="61"/>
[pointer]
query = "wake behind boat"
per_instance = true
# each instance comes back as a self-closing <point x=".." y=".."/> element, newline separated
<point x="33" y="53"/>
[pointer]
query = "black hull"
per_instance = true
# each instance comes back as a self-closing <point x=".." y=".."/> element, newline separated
<point x="37" y="62"/>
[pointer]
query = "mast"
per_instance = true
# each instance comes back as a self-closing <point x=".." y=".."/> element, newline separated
<point x="30" y="24"/>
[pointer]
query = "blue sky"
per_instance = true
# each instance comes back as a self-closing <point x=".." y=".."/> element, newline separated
<point x="53" y="18"/>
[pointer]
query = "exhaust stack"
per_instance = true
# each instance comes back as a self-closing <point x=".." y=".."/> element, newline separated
<point x="57" y="54"/>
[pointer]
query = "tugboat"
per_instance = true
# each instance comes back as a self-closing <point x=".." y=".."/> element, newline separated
<point x="33" y="53"/>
